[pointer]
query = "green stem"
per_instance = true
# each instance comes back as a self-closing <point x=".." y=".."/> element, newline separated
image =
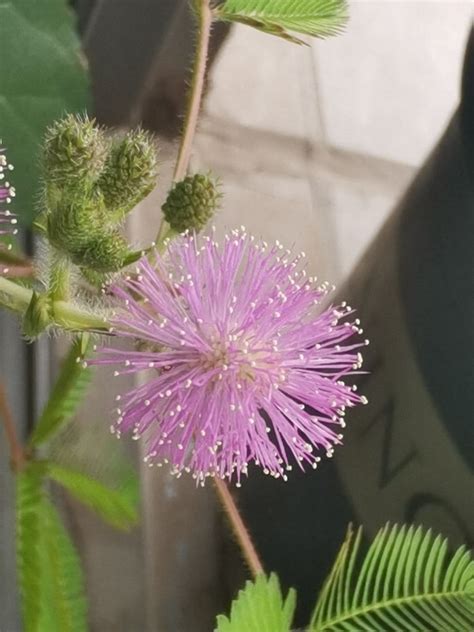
<point x="65" y="315"/>
<point x="204" y="15"/>
<point x="14" y="296"/>
<point x="68" y="316"/>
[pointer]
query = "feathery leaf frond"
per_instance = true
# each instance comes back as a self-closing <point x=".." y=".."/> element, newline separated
<point x="317" y="18"/>
<point x="405" y="582"/>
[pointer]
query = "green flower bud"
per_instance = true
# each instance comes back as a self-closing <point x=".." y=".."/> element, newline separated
<point x="191" y="203"/>
<point x="38" y="316"/>
<point x="73" y="153"/>
<point x="105" y="253"/>
<point x="79" y="229"/>
<point x="74" y="223"/>
<point x="129" y="174"/>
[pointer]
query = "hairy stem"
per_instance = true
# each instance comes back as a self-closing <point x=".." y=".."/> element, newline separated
<point x="239" y="528"/>
<point x="204" y="15"/>
<point x="66" y="315"/>
<point x="17" y="454"/>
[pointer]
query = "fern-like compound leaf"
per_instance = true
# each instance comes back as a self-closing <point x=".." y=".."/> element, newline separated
<point x="317" y="18"/>
<point x="260" y="607"/>
<point x="406" y="581"/>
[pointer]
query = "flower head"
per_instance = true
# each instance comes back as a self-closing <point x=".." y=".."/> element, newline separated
<point x="7" y="192"/>
<point x="247" y="368"/>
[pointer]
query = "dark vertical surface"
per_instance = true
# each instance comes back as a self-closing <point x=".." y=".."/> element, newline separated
<point x="13" y="373"/>
<point x="121" y="40"/>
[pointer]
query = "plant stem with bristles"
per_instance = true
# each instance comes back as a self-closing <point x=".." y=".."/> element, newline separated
<point x="65" y="315"/>
<point x="204" y="16"/>
<point x="17" y="454"/>
<point x="240" y="530"/>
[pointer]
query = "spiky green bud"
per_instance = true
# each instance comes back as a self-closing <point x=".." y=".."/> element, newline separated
<point x="75" y="222"/>
<point x="191" y="203"/>
<point x="80" y="230"/>
<point x="73" y="153"/>
<point x="129" y="173"/>
<point x="105" y="253"/>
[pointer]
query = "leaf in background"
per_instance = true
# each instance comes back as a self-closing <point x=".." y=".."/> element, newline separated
<point x="63" y="598"/>
<point x="66" y="395"/>
<point x="29" y="495"/>
<point x="116" y="507"/>
<point x="405" y="582"/>
<point x="49" y="570"/>
<point x="318" y="18"/>
<point x="42" y="75"/>
<point x="259" y="607"/>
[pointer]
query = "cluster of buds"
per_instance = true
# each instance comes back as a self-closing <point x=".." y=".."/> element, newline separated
<point x="90" y="184"/>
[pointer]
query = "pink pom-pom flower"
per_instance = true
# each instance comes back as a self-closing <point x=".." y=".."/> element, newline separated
<point x="247" y="366"/>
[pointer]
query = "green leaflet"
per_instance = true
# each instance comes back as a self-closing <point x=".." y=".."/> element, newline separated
<point x="66" y="395"/>
<point x="29" y="495"/>
<point x="49" y="571"/>
<point x="317" y="18"/>
<point x="405" y="582"/>
<point x="260" y="607"/>
<point x="63" y="599"/>
<point x="42" y="75"/>
<point x="118" y="507"/>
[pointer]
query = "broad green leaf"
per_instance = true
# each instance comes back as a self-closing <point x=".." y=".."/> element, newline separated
<point x="260" y="607"/>
<point x="65" y="397"/>
<point x="29" y="495"/>
<point x="406" y="581"/>
<point x="118" y="507"/>
<point x="42" y="75"/>
<point x="317" y="18"/>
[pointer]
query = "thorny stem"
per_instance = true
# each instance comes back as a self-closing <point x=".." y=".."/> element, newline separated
<point x="204" y="15"/>
<point x="239" y="528"/>
<point x="17" y="454"/>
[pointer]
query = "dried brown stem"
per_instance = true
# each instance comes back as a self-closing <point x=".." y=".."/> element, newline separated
<point x="17" y="454"/>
